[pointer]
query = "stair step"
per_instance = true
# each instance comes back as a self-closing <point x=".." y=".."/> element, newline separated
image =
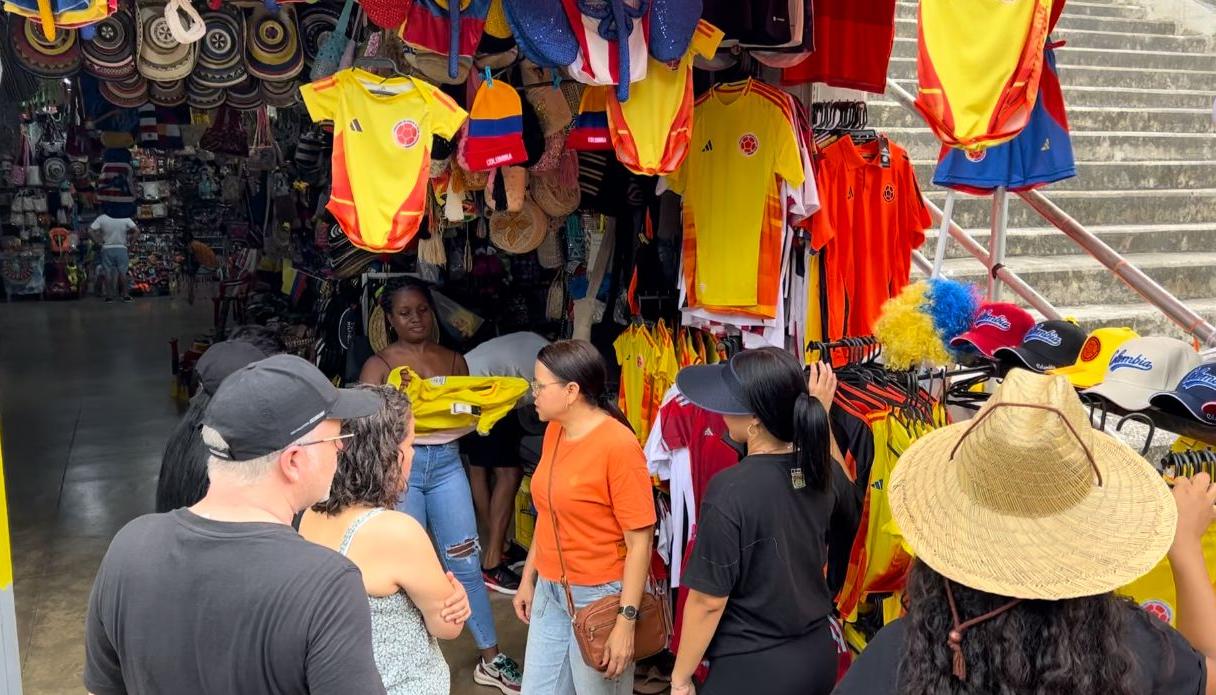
<point x="1102" y="9"/>
<point x="1080" y="38"/>
<point x="905" y="24"/>
<point x="1086" y="95"/>
<point x="1063" y="279"/>
<point x="1094" y="208"/>
<point x="891" y="114"/>
<point x="1109" y="176"/>
<point x="1145" y="318"/>
<point x="1125" y="239"/>
<point x="1128" y="78"/>
<point x="906" y="47"/>
<point x="1098" y="145"/>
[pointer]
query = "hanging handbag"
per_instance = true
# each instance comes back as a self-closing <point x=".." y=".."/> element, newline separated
<point x="263" y="155"/>
<point x="66" y="200"/>
<point x="329" y="55"/>
<point x="226" y="135"/>
<point x="16" y="176"/>
<point x="39" y="199"/>
<point x="593" y="623"/>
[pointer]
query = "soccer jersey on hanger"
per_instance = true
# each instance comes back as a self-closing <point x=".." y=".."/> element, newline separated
<point x="382" y="151"/>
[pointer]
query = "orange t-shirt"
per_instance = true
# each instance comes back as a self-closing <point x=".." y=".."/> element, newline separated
<point x="601" y="489"/>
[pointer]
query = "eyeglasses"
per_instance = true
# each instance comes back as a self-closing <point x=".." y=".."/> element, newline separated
<point x="538" y="386"/>
<point x="327" y="439"/>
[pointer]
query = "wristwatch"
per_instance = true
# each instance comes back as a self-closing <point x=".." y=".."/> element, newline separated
<point x="630" y="612"/>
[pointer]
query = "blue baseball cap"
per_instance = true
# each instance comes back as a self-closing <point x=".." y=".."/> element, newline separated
<point x="1194" y="395"/>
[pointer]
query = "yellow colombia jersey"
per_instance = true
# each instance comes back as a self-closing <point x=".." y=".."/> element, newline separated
<point x="635" y="350"/>
<point x="743" y="140"/>
<point x="651" y="130"/>
<point x="382" y="151"/>
<point x="446" y="403"/>
<point x="1155" y="590"/>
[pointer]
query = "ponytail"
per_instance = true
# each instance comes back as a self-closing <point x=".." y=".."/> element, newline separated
<point x="607" y="404"/>
<point x="812" y="448"/>
<point x="776" y="391"/>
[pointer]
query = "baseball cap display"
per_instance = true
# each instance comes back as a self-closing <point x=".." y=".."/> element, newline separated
<point x="223" y="359"/>
<point x="997" y="325"/>
<point x="1142" y="367"/>
<point x="1048" y="345"/>
<point x="1194" y="396"/>
<point x="1095" y="355"/>
<point x="262" y="408"/>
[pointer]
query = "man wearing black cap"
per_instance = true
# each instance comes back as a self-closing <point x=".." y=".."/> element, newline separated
<point x="224" y="597"/>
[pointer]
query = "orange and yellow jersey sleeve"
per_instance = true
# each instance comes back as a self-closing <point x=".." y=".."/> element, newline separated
<point x="382" y="151"/>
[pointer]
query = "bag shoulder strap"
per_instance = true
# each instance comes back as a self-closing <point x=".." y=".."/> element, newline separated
<point x="557" y="536"/>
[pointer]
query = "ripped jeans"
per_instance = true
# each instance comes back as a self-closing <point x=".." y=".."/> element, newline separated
<point x="439" y="498"/>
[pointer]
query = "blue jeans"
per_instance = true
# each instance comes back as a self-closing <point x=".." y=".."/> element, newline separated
<point x="439" y="498"/>
<point x="554" y="664"/>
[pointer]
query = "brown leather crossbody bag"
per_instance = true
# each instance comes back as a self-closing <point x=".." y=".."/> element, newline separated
<point x="593" y="623"/>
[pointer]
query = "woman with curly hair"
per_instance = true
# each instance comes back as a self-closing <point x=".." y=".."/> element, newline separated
<point x="413" y="601"/>
<point x="1024" y="521"/>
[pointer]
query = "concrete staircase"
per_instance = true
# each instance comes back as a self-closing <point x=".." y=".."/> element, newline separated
<point x="1139" y="97"/>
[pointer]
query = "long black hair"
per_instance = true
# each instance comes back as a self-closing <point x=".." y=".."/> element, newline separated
<point x="183" y="477"/>
<point x="777" y="394"/>
<point x="1068" y="647"/>
<point x="578" y="362"/>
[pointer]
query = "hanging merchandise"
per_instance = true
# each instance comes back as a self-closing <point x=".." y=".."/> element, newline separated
<point x="997" y="325"/>
<point x="853" y="42"/>
<point x="590" y="132"/>
<point x="272" y="45"/>
<point x="51" y="58"/>
<point x="226" y="135"/>
<point x="872" y="218"/>
<point x="1144" y="367"/>
<point x="167" y="94"/>
<point x="330" y="46"/>
<point x="264" y="151"/>
<point x="317" y="22"/>
<point x="494" y="135"/>
<point x="651" y="131"/>
<point x="382" y="134"/>
<point x="1193" y="397"/>
<point x="111" y="53"/>
<point x="190" y="30"/>
<point x="221" y="57"/>
<point x="496" y="49"/>
<point x="449" y="28"/>
<point x="978" y="89"/>
<point x="519" y="232"/>
<point x="744" y="146"/>
<point x="647" y="358"/>
<point x="541" y="29"/>
<point x="1049" y="345"/>
<point x="160" y="56"/>
<point x="1099" y="348"/>
<point x="246" y="96"/>
<point x="129" y="93"/>
<point x="1041" y="154"/>
<point x="203" y="98"/>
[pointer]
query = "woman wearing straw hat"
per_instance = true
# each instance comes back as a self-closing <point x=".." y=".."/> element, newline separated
<point x="1024" y="521"/>
<point x="759" y="605"/>
<point x="438" y="495"/>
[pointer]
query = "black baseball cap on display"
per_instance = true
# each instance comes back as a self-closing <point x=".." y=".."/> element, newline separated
<point x="261" y="408"/>
<point x="714" y="387"/>
<point x="1050" y="344"/>
<point x="223" y="359"/>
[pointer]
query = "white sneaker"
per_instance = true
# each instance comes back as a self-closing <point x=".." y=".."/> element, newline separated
<point x="502" y="673"/>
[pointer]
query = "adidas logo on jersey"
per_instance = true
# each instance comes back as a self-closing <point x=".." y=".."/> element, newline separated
<point x="1046" y="145"/>
<point x="709" y="146"/>
<point x="355" y="126"/>
<point x="709" y="432"/>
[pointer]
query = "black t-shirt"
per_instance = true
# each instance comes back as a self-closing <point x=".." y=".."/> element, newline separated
<point x="1166" y="663"/>
<point x="764" y="545"/>
<point x="187" y="605"/>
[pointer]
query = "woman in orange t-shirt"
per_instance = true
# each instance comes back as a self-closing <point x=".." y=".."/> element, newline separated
<point x="592" y="477"/>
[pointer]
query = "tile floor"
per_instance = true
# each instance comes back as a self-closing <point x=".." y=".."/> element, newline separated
<point x="84" y="409"/>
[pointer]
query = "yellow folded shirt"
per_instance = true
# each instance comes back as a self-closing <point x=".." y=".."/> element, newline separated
<point x="446" y="403"/>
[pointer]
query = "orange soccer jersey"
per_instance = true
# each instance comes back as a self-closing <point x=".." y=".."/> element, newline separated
<point x="382" y="151"/>
<point x="871" y="218"/>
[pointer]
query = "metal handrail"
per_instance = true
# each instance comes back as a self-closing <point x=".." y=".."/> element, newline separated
<point x="1169" y="305"/>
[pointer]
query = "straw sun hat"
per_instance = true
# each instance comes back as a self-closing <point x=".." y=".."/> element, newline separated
<point x="1027" y="500"/>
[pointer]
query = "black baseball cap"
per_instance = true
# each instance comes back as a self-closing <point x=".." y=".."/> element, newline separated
<point x="261" y="408"/>
<point x="222" y="359"/>
<point x="1050" y="344"/>
<point x="714" y="387"/>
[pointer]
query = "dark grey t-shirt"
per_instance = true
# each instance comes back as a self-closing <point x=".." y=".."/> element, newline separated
<point x="187" y="605"/>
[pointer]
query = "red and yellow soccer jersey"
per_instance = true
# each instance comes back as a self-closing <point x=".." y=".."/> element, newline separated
<point x="743" y="146"/>
<point x="635" y="351"/>
<point x="651" y="130"/>
<point x="382" y="151"/>
<point x="871" y="218"/>
<point x="979" y="65"/>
